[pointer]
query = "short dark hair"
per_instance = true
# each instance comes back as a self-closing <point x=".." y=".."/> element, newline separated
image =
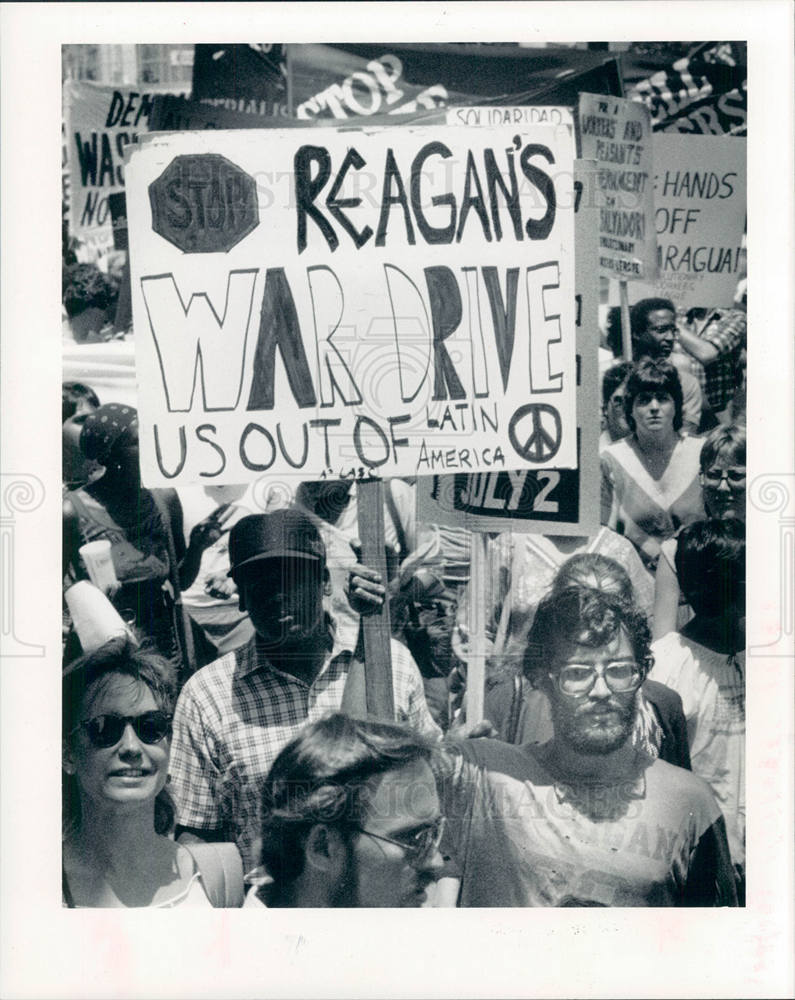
<point x="727" y="439"/>
<point x="586" y="617"/>
<point x="710" y="564"/>
<point x="639" y="314"/>
<point x="72" y="394"/>
<point x="654" y="375"/>
<point x="117" y="656"/>
<point x="324" y="776"/>
<point x="613" y="378"/>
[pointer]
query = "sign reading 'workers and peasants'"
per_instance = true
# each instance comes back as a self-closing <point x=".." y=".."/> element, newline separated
<point x="700" y="200"/>
<point x="325" y="303"/>
<point x="618" y="135"/>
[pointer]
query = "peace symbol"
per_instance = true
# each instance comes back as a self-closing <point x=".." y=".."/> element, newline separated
<point x="543" y="440"/>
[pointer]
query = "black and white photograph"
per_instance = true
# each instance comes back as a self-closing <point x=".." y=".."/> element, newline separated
<point x="402" y="498"/>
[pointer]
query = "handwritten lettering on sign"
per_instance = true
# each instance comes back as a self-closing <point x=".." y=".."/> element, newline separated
<point x="617" y="134"/>
<point x="403" y="305"/>
<point x="700" y="208"/>
<point x="551" y="500"/>
<point x="101" y="122"/>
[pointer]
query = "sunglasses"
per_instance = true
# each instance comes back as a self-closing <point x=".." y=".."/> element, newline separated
<point x="105" y="731"/>
<point x="419" y="844"/>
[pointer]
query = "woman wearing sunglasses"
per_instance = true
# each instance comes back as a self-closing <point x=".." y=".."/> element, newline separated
<point x="117" y="705"/>
<point x="723" y="483"/>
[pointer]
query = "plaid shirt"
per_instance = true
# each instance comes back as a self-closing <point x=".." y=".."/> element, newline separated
<point x="236" y="714"/>
<point x="726" y="331"/>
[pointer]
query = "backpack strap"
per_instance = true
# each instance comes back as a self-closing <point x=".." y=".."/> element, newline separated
<point x="221" y="870"/>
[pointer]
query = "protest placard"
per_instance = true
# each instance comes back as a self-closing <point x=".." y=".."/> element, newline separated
<point x="388" y="301"/>
<point x="617" y="134"/>
<point x="101" y="121"/>
<point x="700" y="200"/>
<point x="548" y="501"/>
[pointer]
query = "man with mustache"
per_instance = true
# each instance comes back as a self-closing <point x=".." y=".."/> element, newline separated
<point x="235" y="715"/>
<point x="654" y="335"/>
<point x="587" y="818"/>
<point x="349" y="817"/>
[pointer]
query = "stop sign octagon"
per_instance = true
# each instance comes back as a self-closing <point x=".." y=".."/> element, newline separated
<point x="203" y="203"/>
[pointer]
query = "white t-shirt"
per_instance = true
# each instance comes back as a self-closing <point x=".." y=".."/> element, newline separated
<point x="712" y="688"/>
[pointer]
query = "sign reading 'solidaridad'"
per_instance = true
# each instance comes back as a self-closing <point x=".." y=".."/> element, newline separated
<point x="313" y="303"/>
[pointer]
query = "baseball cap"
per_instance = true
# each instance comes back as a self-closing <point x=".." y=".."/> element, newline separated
<point x="282" y="534"/>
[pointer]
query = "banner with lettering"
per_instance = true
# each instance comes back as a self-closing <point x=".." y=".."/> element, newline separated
<point x="617" y="134"/>
<point x="178" y="114"/>
<point x="346" y="81"/>
<point x="389" y="301"/>
<point x="700" y="206"/>
<point x="101" y="121"/>
<point x="704" y="92"/>
<point x="547" y="501"/>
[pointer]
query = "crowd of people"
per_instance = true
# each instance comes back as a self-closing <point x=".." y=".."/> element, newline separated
<point x="217" y="749"/>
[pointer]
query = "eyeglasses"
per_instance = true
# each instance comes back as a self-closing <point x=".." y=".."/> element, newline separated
<point x="419" y="844"/>
<point x="105" y="731"/>
<point x="577" y="679"/>
<point x="668" y="328"/>
<point x="735" y="478"/>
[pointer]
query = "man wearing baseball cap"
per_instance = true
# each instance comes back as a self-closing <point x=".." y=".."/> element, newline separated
<point x="235" y="715"/>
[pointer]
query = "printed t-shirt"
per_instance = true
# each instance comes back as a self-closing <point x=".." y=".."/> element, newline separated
<point x="522" y="838"/>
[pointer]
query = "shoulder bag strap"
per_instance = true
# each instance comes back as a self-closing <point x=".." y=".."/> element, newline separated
<point x="221" y="869"/>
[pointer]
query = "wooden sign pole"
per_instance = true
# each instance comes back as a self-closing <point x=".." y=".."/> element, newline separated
<point x="626" y="332"/>
<point x="376" y="629"/>
<point x="476" y="661"/>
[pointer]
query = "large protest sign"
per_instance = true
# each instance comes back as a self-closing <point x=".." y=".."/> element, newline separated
<point x="617" y="134"/>
<point x="101" y="121"/>
<point x="548" y="501"/>
<point x="700" y="206"/>
<point x="381" y="302"/>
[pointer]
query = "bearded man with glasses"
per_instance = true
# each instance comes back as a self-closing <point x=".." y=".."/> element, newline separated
<point x="349" y="817"/>
<point x="588" y="818"/>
